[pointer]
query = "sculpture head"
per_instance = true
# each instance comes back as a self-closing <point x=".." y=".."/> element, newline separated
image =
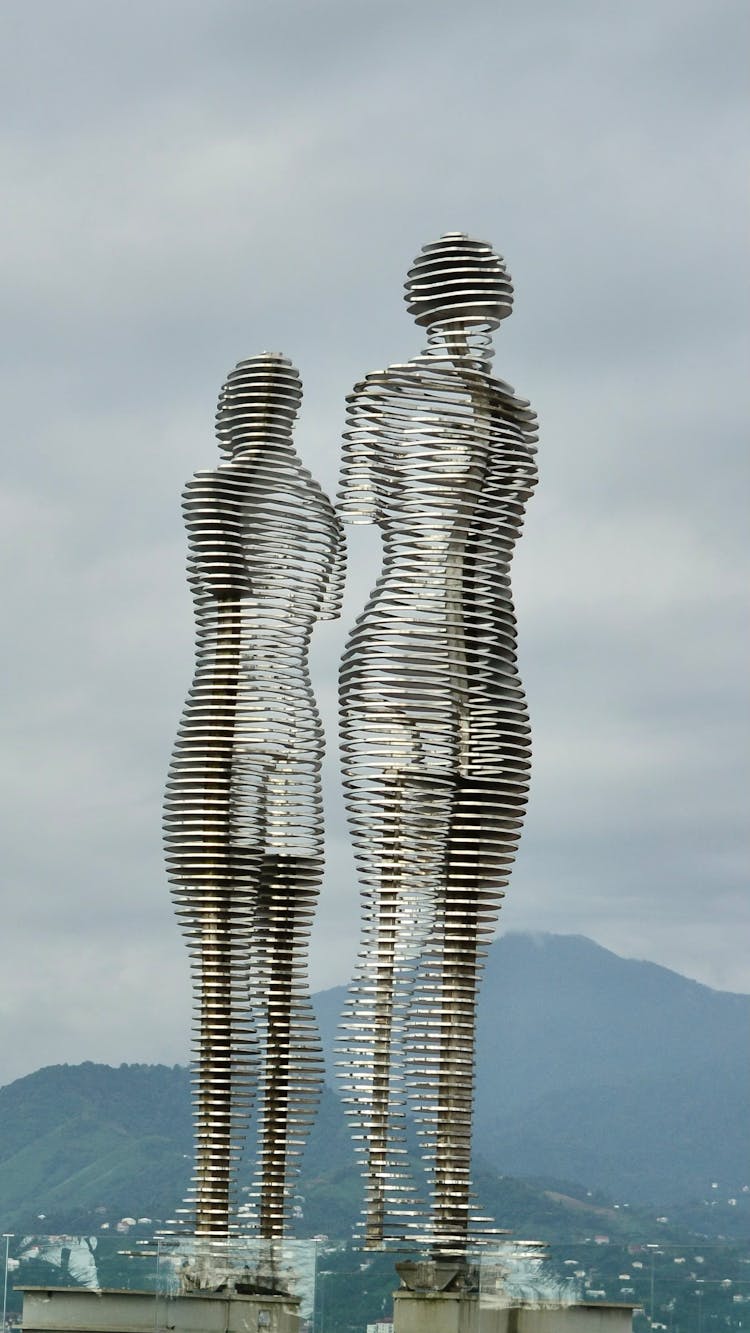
<point x="258" y="403"/>
<point x="458" y="282"/>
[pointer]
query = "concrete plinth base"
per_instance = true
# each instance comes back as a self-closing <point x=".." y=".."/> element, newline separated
<point x="459" y="1312"/>
<point x="435" y="1312"/>
<point x="72" y="1310"/>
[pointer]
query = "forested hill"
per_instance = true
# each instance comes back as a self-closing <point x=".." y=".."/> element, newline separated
<point x="78" y="1137"/>
<point x="616" y="1074"/>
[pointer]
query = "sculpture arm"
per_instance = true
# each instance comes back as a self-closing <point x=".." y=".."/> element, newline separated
<point x="513" y="471"/>
<point x="330" y="606"/>
<point x="358" y="499"/>
<point x="213" y="521"/>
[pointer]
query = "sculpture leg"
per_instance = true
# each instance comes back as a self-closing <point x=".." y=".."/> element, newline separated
<point x="213" y="890"/>
<point x="224" y="1047"/>
<point x="400" y="858"/>
<point x="292" y="1064"/>
<point x="215" y="903"/>
<point x="384" y="996"/>
<point x="458" y="916"/>
<point x="483" y="834"/>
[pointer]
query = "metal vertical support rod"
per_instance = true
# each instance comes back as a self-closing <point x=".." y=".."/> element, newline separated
<point x="7" y="1237"/>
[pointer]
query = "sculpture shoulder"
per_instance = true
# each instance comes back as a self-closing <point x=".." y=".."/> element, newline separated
<point x="507" y="405"/>
<point x="430" y="373"/>
<point x="255" y="496"/>
<point x="217" y="488"/>
<point x="382" y="383"/>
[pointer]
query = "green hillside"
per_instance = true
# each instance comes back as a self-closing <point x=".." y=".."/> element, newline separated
<point x="87" y="1145"/>
<point x="80" y="1137"/>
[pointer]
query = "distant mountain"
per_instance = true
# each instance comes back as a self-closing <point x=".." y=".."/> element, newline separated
<point x="603" y="1069"/>
<point x="607" y="1070"/>
<point x="592" y="1068"/>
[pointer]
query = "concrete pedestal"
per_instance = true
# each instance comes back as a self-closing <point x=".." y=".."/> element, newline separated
<point x="72" y="1310"/>
<point x="459" y="1312"/>
<point x="436" y="1312"/>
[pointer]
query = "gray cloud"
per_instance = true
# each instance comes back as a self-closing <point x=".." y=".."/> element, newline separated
<point x="188" y="184"/>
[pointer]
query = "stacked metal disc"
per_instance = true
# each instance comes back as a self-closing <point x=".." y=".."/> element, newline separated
<point x="243" y="817"/>
<point x="435" y="735"/>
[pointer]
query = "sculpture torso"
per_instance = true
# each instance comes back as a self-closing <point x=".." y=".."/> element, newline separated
<point x="442" y="459"/>
<point x="263" y="543"/>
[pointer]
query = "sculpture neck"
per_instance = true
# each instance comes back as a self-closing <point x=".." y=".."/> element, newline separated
<point x="264" y="446"/>
<point x="461" y="343"/>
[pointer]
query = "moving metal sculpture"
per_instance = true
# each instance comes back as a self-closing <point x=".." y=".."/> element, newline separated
<point x="435" y="733"/>
<point x="243" y="817"/>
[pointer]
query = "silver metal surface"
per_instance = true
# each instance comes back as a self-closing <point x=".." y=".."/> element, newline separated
<point x="242" y="815"/>
<point x="435" y="733"/>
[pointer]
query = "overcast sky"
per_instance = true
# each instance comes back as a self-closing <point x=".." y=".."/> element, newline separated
<point x="190" y="182"/>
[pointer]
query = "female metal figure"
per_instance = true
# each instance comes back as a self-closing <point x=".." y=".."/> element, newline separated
<point x="435" y="730"/>
<point x="243" y="816"/>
